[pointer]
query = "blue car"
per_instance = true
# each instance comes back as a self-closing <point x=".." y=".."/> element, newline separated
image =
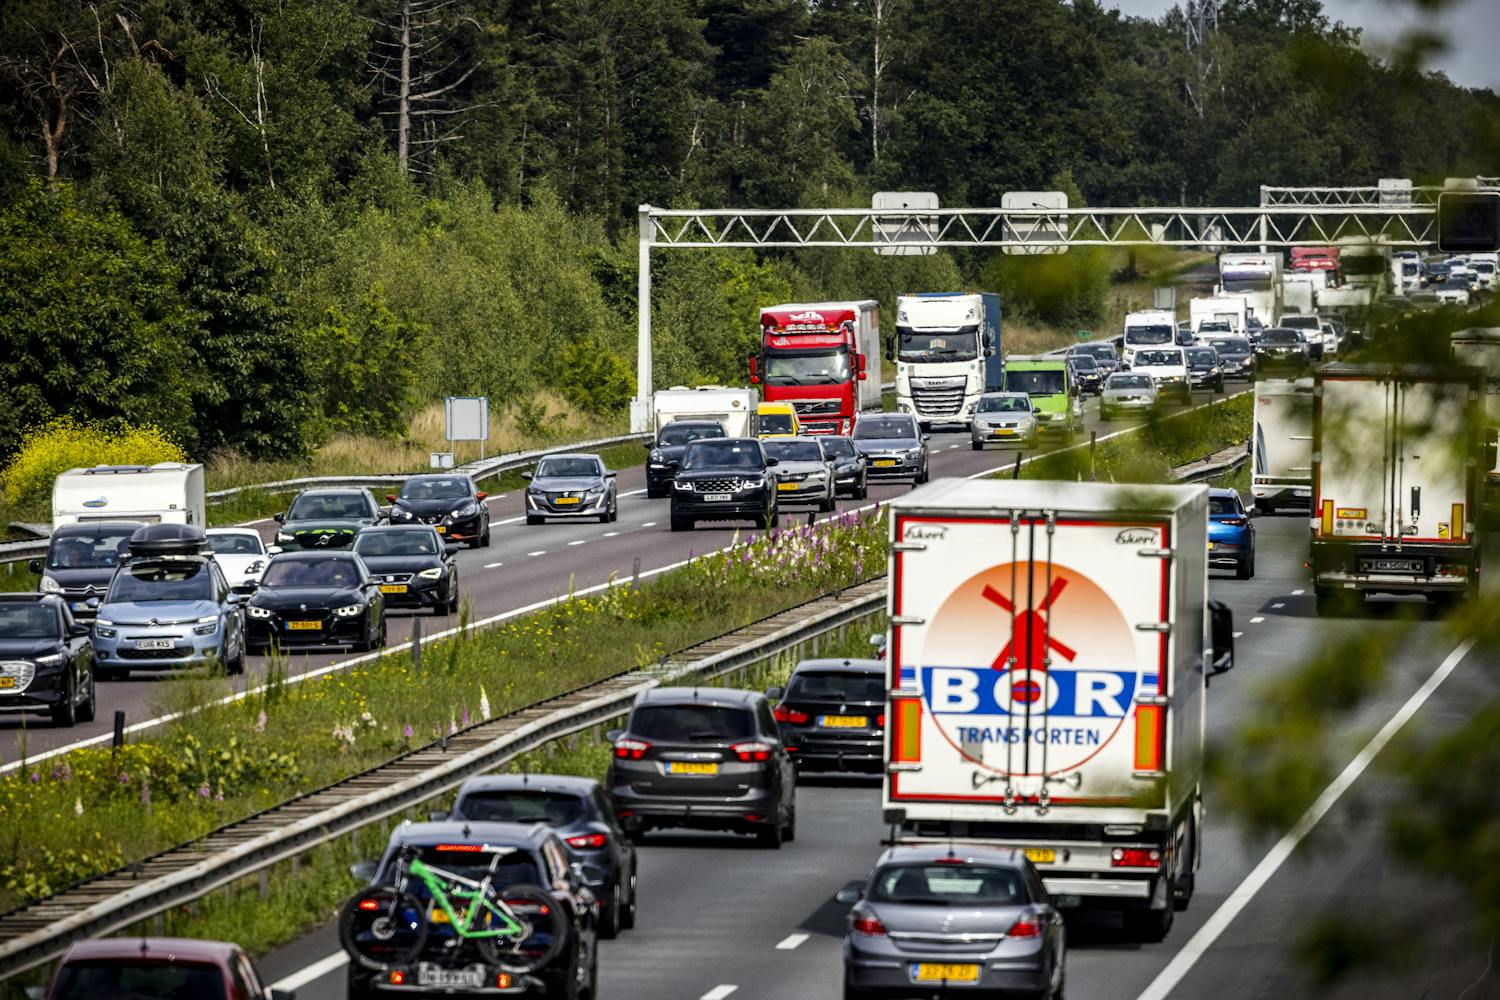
<point x="1231" y="536"/>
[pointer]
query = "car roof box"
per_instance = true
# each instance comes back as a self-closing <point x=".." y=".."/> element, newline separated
<point x="168" y="540"/>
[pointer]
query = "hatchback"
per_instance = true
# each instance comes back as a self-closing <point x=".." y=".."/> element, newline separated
<point x="159" y="968"/>
<point x="832" y="714"/>
<point x="1231" y="536"/>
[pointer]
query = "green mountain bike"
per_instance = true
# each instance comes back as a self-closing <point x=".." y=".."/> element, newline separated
<point x="519" y="928"/>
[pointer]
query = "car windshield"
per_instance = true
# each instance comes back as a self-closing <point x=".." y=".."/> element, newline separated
<point x="794" y="451"/>
<point x="942" y="884"/>
<point x="310" y="573"/>
<point x="1153" y="358"/>
<point x="520" y="805"/>
<point x="91" y="551"/>
<point x="1278" y="335"/>
<point x="396" y="543"/>
<point x="690" y="722"/>
<point x="173" y="581"/>
<point x="330" y="506"/>
<point x="838" y="447"/>
<point x="677" y="434"/>
<point x="28" y="621"/>
<point x="238" y="544"/>
<point x="776" y="423"/>
<point x="1203" y="356"/>
<point x="95" y="979"/>
<point x="1130" y="382"/>
<point x="1232" y="345"/>
<point x="834" y="686"/>
<point x="1004" y="404"/>
<point x="1036" y="382"/>
<point x="1084" y="362"/>
<point x="953" y="345"/>
<point x="885" y="430"/>
<point x="1149" y="334"/>
<point x="446" y="488"/>
<point x="569" y="468"/>
<point x="807" y="367"/>
<point x="727" y="454"/>
<point x="516" y="868"/>
<point x="1225" y="506"/>
<point x="1484" y="267"/>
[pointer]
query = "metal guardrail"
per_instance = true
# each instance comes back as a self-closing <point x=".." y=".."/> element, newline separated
<point x="42" y="931"/>
<point x="1213" y="465"/>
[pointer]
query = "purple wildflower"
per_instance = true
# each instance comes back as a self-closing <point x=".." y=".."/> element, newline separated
<point x="202" y="791"/>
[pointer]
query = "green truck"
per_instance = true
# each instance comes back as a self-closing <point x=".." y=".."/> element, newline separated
<point x="1047" y="379"/>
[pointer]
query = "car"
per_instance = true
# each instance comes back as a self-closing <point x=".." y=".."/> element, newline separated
<point x="158" y="968"/>
<point x="1231" y="536"/>
<point x="169" y="607"/>
<point x="1204" y="371"/>
<point x="571" y="486"/>
<point x="579" y="811"/>
<point x="1003" y="417"/>
<point x="893" y="445"/>
<point x="532" y="855"/>
<point x="81" y="558"/>
<point x="1087" y="374"/>
<point x="241" y="555"/>
<point x="850" y="473"/>
<point x="1168" y="368"/>
<point x="1280" y="350"/>
<point x="804" y="472"/>
<point x="1330" y="337"/>
<point x="1127" y="392"/>
<point x="1254" y="327"/>
<point x="413" y="564"/>
<point x="1436" y="272"/>
<point x="1310" y="329"/>
<point x="665" y="452"/>
<point x="1236" y="357"/>
<point x="1104" y="355"/>
<point x="977" y="919"/>
<point x="778" y="420"/>
<point x="46" y="660"/>
<point x="326" y="518"/>
<point x="832" y="715"/>
<point x="1453" y="293"/>
<point x="725" y="479"/>
<point x="316" y="599"/>
<point x="1484" y="274"/>
<point x="1048" y="380"/>
<point x="451" y="503"/>
<point x="703" y="758"/>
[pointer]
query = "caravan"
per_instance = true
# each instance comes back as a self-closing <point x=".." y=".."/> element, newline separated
<point x="165" y="493"/>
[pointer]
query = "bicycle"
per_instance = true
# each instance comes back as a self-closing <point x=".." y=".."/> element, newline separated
<point x="519" y="928"/>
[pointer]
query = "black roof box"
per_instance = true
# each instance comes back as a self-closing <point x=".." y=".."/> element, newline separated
<point x="168" y="540"/>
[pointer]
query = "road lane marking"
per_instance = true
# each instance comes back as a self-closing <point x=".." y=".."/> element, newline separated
<point x="493" y="565"/>
<point x="1298" y="593"/>
<point x="1182" y="963"/>
<point x="610" y="534"/>
<point x="1278" y="605"/>
<point x="1256" y="620"/>
<point x="579" y="541"/>
<point x="313" y="972"/>
<point x="719" y="992"/>
<point x="1238" y="634"/>
<point x="649" y="524"/>
<point x="539" y="552"/>
<point x="790" y="941"/>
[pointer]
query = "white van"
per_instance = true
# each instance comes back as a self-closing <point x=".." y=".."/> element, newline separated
<point x="1151" y="328"/>
<point x="168" y="492"/>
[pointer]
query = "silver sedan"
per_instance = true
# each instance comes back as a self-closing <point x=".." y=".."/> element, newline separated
<point x="1003" y="418"/>
<point x="1127" y="392"/>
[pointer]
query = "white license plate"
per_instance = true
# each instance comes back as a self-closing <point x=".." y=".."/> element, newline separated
<point x="718" y="497"/>
<point x="154" y="644"/>
<point x="435" y="975"/>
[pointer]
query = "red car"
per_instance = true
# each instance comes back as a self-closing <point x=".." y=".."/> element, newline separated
<point x="160" y="968"/>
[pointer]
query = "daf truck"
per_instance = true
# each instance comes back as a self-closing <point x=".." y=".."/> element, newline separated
<point x="947" y="354"/>
<point x="823" y="358"/>
<point x="1049" y="646"/>
<point x="1281" y="444"/>
<point x="1256" y="276"/>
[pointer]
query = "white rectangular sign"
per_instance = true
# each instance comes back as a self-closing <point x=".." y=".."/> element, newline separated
<point x="467" y="418"/>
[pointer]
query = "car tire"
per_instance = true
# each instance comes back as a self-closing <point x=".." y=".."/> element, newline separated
<point x="789" y="831"/>
<point x="628" y="916"/>
<point x="90" y="706"/>
<point x="976" y="446"/>
<point x="611" y="916"/>
<point x="771" y="837"/>
<point x="236" y="666"/>
<point x="356" y="988"/>
<point x="682" y="524"/>
<point x="484" y="539"/>
<point x="454" y="595"/>
<point x="851" y="992"/>
<point x="923" y="476"/>
<point x="1245" y="568"/>
<point x="534" y="519"/>
<point x="605" y="518"/>
<point x="65" y="712"/>
<point x="829" y="506"/>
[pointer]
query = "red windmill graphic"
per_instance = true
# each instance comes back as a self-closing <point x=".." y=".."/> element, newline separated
<point x="1030" y="653"/>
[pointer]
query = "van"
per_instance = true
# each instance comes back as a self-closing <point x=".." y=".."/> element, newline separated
<point x="1151" y="328"/>
<point x="1048" y="380"/>
<point x="165" y="493"/>
<point x="778" y="420"/>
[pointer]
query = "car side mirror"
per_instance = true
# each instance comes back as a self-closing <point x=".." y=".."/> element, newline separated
<point x="863" y="375"/>
<point x="234" y="597"/>
<point x="648" y="445"/>
<point x="385" y="512"/>
<point x="273" y="550"/>
<point x="279" y="517"/>
<point x="363" y="871"/>
<point x="390" y="498"/>
<point x="610" y="474"/>
<point x="245" y="589"/>
<point x="480" y="495"/>
<point x="926" y="437"/>
<point x="450" y="549"/>
<point x="79" y="632"/>
<point x="848" y="896"/>
<point x="613" y="734"/>
<point x="35" y="565"/>
<point x="772" y="462"/>
<point x="774" y="693"/>
<point x="1221" y="635"/>
<point x="526" y="476"/>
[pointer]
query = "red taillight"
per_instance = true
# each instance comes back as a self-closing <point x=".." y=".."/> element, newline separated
<point x="1238" y="522"/>
<point x="752" y="752"/>
<point x="1135" y="857"/>
<point x="950" y="861"/>
<point x="369" y="905"/>
<point x="631" y="749"/>
<point x="503" y="980"/>
<point x="867" y="925"/>
<point x="461" y="848"/>
<point x="1027" y="925"/>
<point x="527" y="906"/>
<point x="880" y="719"/>
<point x="784" y="714"/>
<point x="398" y="978"/>
<point x="588" y="841"/>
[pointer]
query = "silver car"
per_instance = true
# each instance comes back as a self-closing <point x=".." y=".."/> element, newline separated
<point x="953" y="920"/>
<point x="571" y="486"/>
<point x="804" y="472"/>
<point x="1002" y="418"/>
<point x="1127" y="392"/>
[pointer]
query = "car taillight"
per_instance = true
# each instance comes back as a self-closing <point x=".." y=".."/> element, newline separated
<point x="398" y="978"/>
<point x="504" y="980"/>
<point x="1238" y="522"/>
<point x="867" y="925"/>
<point x="784" y="714"/>
<point x="631" y="749"/>
<point x="752" y="752"/>
<point x="1027" y="925"/>
<point x="880" y="719"/>
<point x="588" y="841"/>
<point x="369" y="905"/>
<point x="1135" y="857"/>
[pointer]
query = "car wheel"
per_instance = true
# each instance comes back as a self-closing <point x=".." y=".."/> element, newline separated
<point x="851" y="992"/>
<point x="1245" y="568"/>
<point x="682" y="524"/>
<point x="604" y="518"/>
<point x="976" y="446"/>
<point x="771" y="836"/>
<point x="534" y="519"/>
<point x="924" y="475"/>
<point x="453" y="594"/>
<point x="829" y="505"/>
<point x="65" y="712"/>
<point x="356" y="988"/>
<point x="484" y="539"/>
<point x="236" y="666"/>
<point x="609" y="920"/>
<point x="90" y="706"/>
<point x="789" y="832"/>
<point x="114" y="673"/>
<point x="627" y="918"/>
<point x="864" y="490"/>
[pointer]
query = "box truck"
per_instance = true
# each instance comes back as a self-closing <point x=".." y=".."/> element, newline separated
<point x="947" y="353"/>
<point x="822" y="358"/>
<point x="1480" y="348"/>
<point x="1394" y="481"/>
<point x="1048" y="652"/>
<point x="168" y="492"/>
<point x="1218" y="316"/>
<point x="734" y="408"/>
<point x="1281" y="444"/>
<point x="1257" y="277"/>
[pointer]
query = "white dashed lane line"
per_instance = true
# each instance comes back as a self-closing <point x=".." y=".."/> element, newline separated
<point x="610" y="534"/>
<point x="493" y="565"/>
<point x="719" y="992"/>
<point x="652" y="524"/>
<point x="1238" y="634"/>
<point x="1256" y="620"/>
<point x="1278" y="605"/>
<point x="790" y="941"/>
<point x="579" y="541"/>
<point x="540" y="552"/>
<point x="1298" y="593"/>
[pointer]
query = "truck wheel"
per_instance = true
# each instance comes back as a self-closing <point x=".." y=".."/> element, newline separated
<point x="1150" y="925"/>
<point x="1330" y="602"/>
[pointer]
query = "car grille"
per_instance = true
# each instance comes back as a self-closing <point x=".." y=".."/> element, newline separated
<point x="718" y="485"/>
<point x="24" y="672"/>
<point x="814" y="406"/>
<point x="391" y="577"/>
<point x="153" y="654"/>
<point x="432" y="519"/>
<point x="938" y="397"/>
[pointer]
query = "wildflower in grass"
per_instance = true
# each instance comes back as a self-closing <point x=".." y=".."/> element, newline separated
<point x="203" y="791"/>
<point x="146" y="792"/>
<point x="36" y="776"/>
<point x="484" y="703"/>
<point x="466" y="715"/>
<point x="78" y="807"/>
<point x="407" y="733"/>
<point x="260" y="722"/>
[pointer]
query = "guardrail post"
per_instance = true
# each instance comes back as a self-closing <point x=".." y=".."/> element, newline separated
<point x="119" y="737"/>
<point x="416" y="644"/>
<point x="1093" y="446"/>
<point x="263" y="878"/>
<point x="1016" y="473"/>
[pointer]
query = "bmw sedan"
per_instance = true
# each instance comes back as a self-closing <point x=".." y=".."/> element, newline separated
<point x="316" y="599"/>
<point x="893" y="445"/>
<point x="46" y="661"/>
<point x="450" y="503"/>
<point x="413" y="565"/>
<point x="804" y="473"/>
<point x="326" y="518"/>
<point x="571" y="486"/>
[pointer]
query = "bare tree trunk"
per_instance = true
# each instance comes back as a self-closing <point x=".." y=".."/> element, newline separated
<point x="878" y="11"/>
<point x="403" y="108"/>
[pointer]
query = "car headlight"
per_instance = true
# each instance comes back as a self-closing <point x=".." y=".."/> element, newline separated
<point x="679" y="485"/>
<point x="467" y="510"/>
<point x="349" y="610"/>
<point x="284" y="536"/>
<point x="595" y="491"/>
<point x="103" y="633"/>
<point x="49" y="661"/>
<point x="255" y="612"/>
<point x="436" y="573"/>
<point x="207" y="626"/>
<point x="401" y="514"/>
<point x="255" y="567"/>
<point x="655" y="456"/>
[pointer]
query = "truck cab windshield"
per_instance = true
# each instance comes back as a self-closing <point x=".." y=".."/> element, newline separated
<point x="1036" y="383"/>
<point x="807" y="367"/>
<point x="1239" y="285"/>
<point x="955" y="345"/>
<point x="1149" y="334"/>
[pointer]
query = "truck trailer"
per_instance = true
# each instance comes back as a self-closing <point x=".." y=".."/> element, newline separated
<point x="1049" y="648"/>
<point x="1256" y="276"/>
<point x="1281" y="444"/>
<point x="947" y="353"/>
<point x="1480" y="348"/>
<point x="824" y="359"/>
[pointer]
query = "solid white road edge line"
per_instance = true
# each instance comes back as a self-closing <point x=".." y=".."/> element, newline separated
<point x="719" y="992"/>
<point x="790" y="941"/>
<point x="312" y="973"/>
<point x="1183" y="962"/>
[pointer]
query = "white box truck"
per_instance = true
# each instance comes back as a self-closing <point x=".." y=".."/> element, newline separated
<point x="1048" y="652"/>
<point x="734" y="408"/>
<point x="1281" y="444"/>
<point x="1480" y="348"/>
<point x="1218" y="316"/>
<point x="1257" y="277"/>
<point x="168" y="492"/>
<point x="1394" y="481"/>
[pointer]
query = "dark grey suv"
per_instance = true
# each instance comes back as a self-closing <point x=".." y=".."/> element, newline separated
<point x="704" y="758"/>
<point x="725" y="479"/>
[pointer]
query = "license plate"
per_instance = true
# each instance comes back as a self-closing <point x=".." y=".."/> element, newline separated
<point x="787" y="487"/>
<point x="80" y="605"/>
<point x="565" y="501"/>
<point x="944" y="972"/>
<point x="719" y="497"/>
<point x="437" y="976"/>
<point x="7" y="682"/>
<point x="690" y="767"/>
<point x="1041" y="855"/>
<point x="154" y="644"/>
<point x="1210" y="546"/>
<point x="884" y="463"/>
<point x="393" y="588"/>
<point x="844" y="721"/>
<point x="438" y="915"/>
<point x="1394" y="565"/>
<point x="1002" y="431"/>
<point x="304" y="626"/>
<point x="442" y="529"/>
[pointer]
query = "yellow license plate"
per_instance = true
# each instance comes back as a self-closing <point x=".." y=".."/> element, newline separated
<point x="393" y="588"/>
<point x="884" y="462"/>
<point x="844" y="721"/>
<point x="7" y="682"/>
<point x="691" y="767"/>
<point x="786" y="486"/>
<point x="1210" y="546"/>
<point x="562" y="501"/>
<point x="304" y="626"/>
<point x="438" y="915"/>
<point x="1003" y="431"/>
<point x="944" y="972"/>
<point x="442" y="529"/>
<point x="1041" y="855"/>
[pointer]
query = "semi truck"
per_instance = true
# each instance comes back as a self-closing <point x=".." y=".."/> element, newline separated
<point x="734" y="408"/>
<point x="1226" y="316"/>
<point x="1256" y="276"/>
<point x="823" y="358"/>
<point x="1048" y="649"/>
<point x="1281" y="444"/>
<point x="1480" y="348"/>
<point x="1324" y="259"/>
<point x="1395" y="449"/>
<point x="947" y="353"/>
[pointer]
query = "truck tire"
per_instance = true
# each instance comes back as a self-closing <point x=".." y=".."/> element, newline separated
<point x="1329" y="602"/>
<point x="1150" y="925"/>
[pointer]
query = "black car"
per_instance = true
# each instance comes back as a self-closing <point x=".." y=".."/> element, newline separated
<point x="851" y="475"/>
<point x="81" y="560"/>
<point x="1104" y="355"/>
<point x="666" y="452"/>
<point x="1236" y="357"/>
<point x="705" y="758"/>
<point x="1204" y="368"/>
<point x="832" y="714"/>
<point x="571" y="486"/>
<point x="326" y="518"/>
<point x="725" y="479"/>
<point x="579" y="811"/>
<point x="46" y="660"/>
<point x="533" y="856"/>
<point x="893" y="445"/>
<point x="1280" y="349"/>
<point x="316" y="599"/>
<point x="1436" y="272"/>
<point x="452" y="504"/>
<point x="1086" y="373"/>
<point x="413" y="565"/>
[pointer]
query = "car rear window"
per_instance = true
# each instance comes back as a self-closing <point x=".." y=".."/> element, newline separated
<point x="948" y="885"/>
<point x="690" y="723"/>
<point x="521" y="806"/>
<point x="91" y="980"/>
<point x="836" y="686"/>
<point x="516" y="868"/>
<point x="1223" y="505"/>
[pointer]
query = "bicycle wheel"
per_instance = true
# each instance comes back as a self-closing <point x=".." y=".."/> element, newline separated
<point x="545" y="931"/>
<point x="382" y="927"/>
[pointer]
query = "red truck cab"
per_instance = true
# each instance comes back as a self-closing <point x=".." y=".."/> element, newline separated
<point x="823" y="358"/>
<point x="164" y="968"/>
<point x="1308" y="259"/>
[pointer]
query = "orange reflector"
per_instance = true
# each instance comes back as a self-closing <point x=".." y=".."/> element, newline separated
<point x="1327" y="517"/>
<point x="906" y="737"/>
<point x="1458" y="520"/>
<point x="398" y="978"/>
<point x="1149" y="738"/>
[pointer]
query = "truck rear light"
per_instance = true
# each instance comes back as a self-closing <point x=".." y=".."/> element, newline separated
<point x="880" y="719"/>
<point x="751" y="753"/>
<point x="504" y="980"/>
<point x="1135" y="857"/>
<point x="631" y="749"/>
<point x="1027" y="925"/>
<point x="588" y="841"/>
<point x="784" y="714"/>
<point x="398" y="978"/>
<point x="1149" y="738"/>
<point x="906" y="740"/>
<point x="867" y="924"/>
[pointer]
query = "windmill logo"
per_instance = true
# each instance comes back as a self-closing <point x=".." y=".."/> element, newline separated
<point x="1038" y="640"/>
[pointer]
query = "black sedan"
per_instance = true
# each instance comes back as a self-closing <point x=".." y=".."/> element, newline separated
<point x="850" y="473"/>
<point x="1204" y="368"/>
<point x="1104" y="355"/>
<point x="1280" y="349"/>
<point x="571" y="486"/>
<point x="450" y="503"/>
<point x="725" y="479"/>
<point x="46" y="660"/>
<point x="326" y="518"/>
<point x="413" y="565"/>
<point x="316" y="599"/>
<point x="666" y="452"/>
<point x="1087" y="373"/>
<point x="832" y="714"/>
<point x="893" y="445"/>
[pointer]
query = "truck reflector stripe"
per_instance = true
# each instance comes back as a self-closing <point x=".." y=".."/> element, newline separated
<point x="1149" y="737"/>
<point x="1458" y="520"/>
<point x="1327" y="517"/>
<point x="906" y="736"/>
